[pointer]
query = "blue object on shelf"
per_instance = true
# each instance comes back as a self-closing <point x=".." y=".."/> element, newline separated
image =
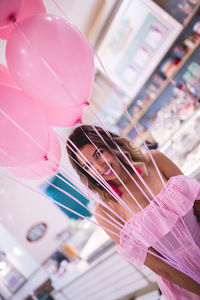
<point x="63" y="199"/>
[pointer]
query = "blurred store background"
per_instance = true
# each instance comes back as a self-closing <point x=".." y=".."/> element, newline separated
<point x="151" y="52"/>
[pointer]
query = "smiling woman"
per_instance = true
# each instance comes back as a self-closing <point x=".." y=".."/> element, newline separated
<point x="153" y="220"/>
<point x="91" y="153"/>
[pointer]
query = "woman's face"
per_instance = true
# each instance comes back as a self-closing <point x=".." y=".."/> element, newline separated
<point x="94" y="159"/>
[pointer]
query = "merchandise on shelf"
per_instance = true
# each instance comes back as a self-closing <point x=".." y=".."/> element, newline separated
<point x="181" y="9"/>
<point x="158" y="83"/>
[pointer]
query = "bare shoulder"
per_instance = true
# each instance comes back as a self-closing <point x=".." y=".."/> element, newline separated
<point x="157" y="155"/>
<point x="165" y="164"/>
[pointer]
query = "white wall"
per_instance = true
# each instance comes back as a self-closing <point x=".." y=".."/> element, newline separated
<point x="21" y="208"/>
<point x="80" y="13"/>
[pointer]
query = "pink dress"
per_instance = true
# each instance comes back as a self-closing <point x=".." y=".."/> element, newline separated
<point x="162" y="225"/>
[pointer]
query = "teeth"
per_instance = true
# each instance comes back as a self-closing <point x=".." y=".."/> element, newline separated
<point x="107" y="172"/>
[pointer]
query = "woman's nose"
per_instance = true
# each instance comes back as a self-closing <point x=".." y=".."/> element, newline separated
<point x="99" y="167"/>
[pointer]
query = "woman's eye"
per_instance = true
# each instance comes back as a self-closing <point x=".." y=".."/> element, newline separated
<point x="98" y="154"/>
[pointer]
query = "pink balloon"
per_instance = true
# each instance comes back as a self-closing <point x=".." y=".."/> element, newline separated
<point x="28" y="116"/>
<point x="63" y="116"/>
<point x="5" y="77"/>
<point x="67" y="52"/>
<point x="30" y="8"/>
<point x="9" y="9"/>
<point x="42" y="168"/>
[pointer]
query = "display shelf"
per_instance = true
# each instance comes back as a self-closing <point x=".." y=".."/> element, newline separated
<point x="171" y="7"/>
<point x="133" y="48"/>
<point x="189" y="18"/>
<point x="186" y="124"/>
<point x="186" y="156"/>
<point x="161" y="89"/>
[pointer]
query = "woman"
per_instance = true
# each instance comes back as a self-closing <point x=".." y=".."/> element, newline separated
<point x="164" y="227"/>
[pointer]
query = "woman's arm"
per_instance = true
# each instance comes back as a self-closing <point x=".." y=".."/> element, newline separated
<point x="165" y="270"/>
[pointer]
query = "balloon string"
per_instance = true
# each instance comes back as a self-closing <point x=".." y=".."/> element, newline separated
<point x="154" y="196"/>
<point x="102" y="217"/>
<point x="118" y="199"/>
<point x="107" y="220"/>
<point x="137" y="245"/>
<point x="121" y="201"/>
<point x="62" y="11"/>
<point x="16" y="24"/>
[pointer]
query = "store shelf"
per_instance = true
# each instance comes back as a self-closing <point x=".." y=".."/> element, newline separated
<point x="189" y="18"/>
<point x="161" y="89"/>
<point x="187" y="157"/>
<point x="141" y="113"/>
<point x="183" y="128"/>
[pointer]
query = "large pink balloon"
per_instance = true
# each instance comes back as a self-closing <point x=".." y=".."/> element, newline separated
<point x="42" y="168"/>
<point x="9" y="9"/>
<point x="28" y="116"/>
<point x="30" y="8"/>
<point x="64" y="48"/>
<point x="5" y="77"/>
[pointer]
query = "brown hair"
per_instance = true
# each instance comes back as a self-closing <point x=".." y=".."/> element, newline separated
<point x="82" y="135"/>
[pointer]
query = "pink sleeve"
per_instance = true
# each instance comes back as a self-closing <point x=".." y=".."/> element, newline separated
<point x="189" y="191"/>
<point x="133" y="251"/>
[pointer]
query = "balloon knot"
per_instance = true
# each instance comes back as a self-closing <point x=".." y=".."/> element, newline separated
<point x="12" y="18"/>
<point x="78" y="121"/>
<point x="45" y="157"/>
<point x="86" y="103"/>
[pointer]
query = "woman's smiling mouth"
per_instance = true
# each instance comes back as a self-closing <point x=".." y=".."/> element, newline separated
<point x="108" y="172"/>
